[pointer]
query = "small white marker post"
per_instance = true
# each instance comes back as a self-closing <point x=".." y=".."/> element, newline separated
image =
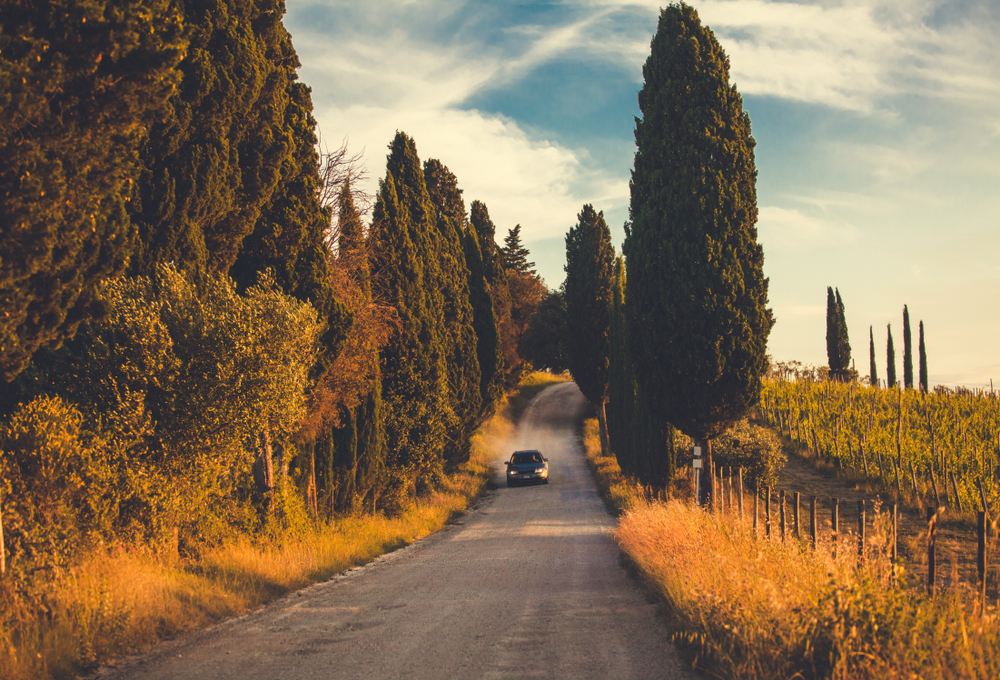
<point x="696" y="464"/>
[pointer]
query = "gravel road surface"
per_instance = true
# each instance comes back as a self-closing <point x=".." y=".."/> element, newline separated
<point x="526" y="585"/>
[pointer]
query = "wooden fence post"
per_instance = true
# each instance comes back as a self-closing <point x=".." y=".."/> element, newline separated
<point x="861" y="530"/>
<point x="937" y="496"/>
<point x="982" y="496"/>
<point x="835" y="520"/>
<point x="981" y="559"/>
<point x="756" y="501"/>
<point x="954" y="486"/>
<point x="864" y="458"/>
<point x="740" y="497"/>
<point x="795" y="515"/>
<point x="782" y="516"/>
<point x="895" y="527"/>
<point x="812" y="521"/>
<point x="767" y="513"/>
<point x="931" y="548"/>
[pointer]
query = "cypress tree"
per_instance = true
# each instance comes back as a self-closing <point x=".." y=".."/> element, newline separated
<point x="80" y="85"/>
<point x="496" y="278"/>
<point x="213" y="164"/>
<point x="589" y="270"/>
<point x="514" y="255"/>
<point x="413" y="364"/>
<point x="484" y="321"/>
<point x="843" y="341"/>
<point x="907" y="351"/>
<point x="458" y="316"/>
<point x="832" y="334"/>
<point x="543" y="344"/>
<point x="890" y="359"/>
<point x="872" y="371"/>
<point x="923" y="359"/>
<point x="696" y="287"/>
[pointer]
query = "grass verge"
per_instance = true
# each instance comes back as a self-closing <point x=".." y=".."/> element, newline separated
<point x="749" y="607"/>
<point x="117" y="602"/>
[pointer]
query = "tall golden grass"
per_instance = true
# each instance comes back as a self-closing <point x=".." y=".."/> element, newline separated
<point x="744" y="606"/>
<point x="117" y="601"/>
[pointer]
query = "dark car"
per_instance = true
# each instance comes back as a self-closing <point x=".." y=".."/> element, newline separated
<point x="526" y="467"/>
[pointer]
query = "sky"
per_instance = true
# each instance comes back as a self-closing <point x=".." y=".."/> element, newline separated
<point x="877" y="125"/>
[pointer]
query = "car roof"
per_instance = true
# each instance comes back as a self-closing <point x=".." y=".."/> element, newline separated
<point x="528" y="451"/>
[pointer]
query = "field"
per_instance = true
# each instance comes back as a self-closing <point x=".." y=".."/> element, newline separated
<point x="745" y="606"/>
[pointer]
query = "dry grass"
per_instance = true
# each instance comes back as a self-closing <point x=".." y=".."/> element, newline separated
<point x="116" y="602"/>
<point x="749" y="607"/>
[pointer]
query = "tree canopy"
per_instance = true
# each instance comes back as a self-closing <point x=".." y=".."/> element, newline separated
<point x="696" y="299"/>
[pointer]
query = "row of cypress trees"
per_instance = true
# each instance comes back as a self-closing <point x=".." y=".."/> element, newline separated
<point x="169" y="147"/>
<point x="676" y="334"/>
<point x="890" y="357"/>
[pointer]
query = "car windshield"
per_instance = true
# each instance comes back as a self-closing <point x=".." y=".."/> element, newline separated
<point x="526" y="457"/>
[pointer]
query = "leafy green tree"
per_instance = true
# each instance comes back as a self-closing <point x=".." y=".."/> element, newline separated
<point x="590" y="261"/>
<point x="514" y="255"/>
<point x="413" y="364"/>
<point x="80" y="85"/>
<point x="872" y="371"/>
<point x="543" y="344"/>
<point x="907" y="351"/>
<point x="890" y="359"/>
<point x="696" y="295"/>
<point x="213" y="164"/>
<point x="923" y="360"/>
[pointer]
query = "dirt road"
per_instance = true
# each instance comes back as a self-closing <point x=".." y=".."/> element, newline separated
<point x="526" y="585"/>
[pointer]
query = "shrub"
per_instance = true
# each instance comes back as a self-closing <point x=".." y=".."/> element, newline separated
<point x="756" y="449"/>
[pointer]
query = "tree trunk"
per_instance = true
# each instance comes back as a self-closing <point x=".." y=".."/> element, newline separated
<point x="706" y="473"/>
<point x="602" y="419"/>
<point x="265" y="483"/>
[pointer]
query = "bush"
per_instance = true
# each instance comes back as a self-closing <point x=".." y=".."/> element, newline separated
<point x="756" y="449"/>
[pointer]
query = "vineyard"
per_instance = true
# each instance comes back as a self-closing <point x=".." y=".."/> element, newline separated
<point x="941" y="447"/>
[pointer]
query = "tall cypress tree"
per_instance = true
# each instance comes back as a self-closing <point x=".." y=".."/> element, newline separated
<point x="589" y="269"/>
<point x="80" y="86"/>
<point x="414" y="370"/>
<point x="484" y="320"/>
<point x="496" y="278"/>
<point x="843" y="341"/>
<point x="211" y="167"/>
<point x="458" y="316"/>
<point x="695" y="270"/>
<point x="890" y="359"/>
<point x="832" y="334"/>
<point x="923" y="359"/>
<point x="872" y="370"/>
<point x="907" y="351"/>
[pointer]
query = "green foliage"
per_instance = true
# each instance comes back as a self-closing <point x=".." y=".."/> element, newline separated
<point x="696" y="297"/>
<point x="500" y="294"/>
<point x="181" y="379"/>
<point x="54" y="485"/>
<point x="756" y="449"/>
<point x="484" y="320"/>
<point x="890" y="359"/>
<point x="543" y="344"/>
<point x="80" y="84"/>
<point x="923" y="359"/>
<point x="590" y="261"/>
<point x="872" y="370"/>
<point x="907" y="351"/>
<point x="838" y="346"/>
<point x="404" y="239"/>
<point x="643" y="443"/>
<point x="212" y="166"/>
<point x="514" y="255"/>
<point x="457" y="314"/>
<point x="860" y="428"/>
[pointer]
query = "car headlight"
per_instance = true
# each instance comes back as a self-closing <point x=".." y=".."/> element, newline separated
<point x="511" y="472"/>
<point x="539" y="471"/>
